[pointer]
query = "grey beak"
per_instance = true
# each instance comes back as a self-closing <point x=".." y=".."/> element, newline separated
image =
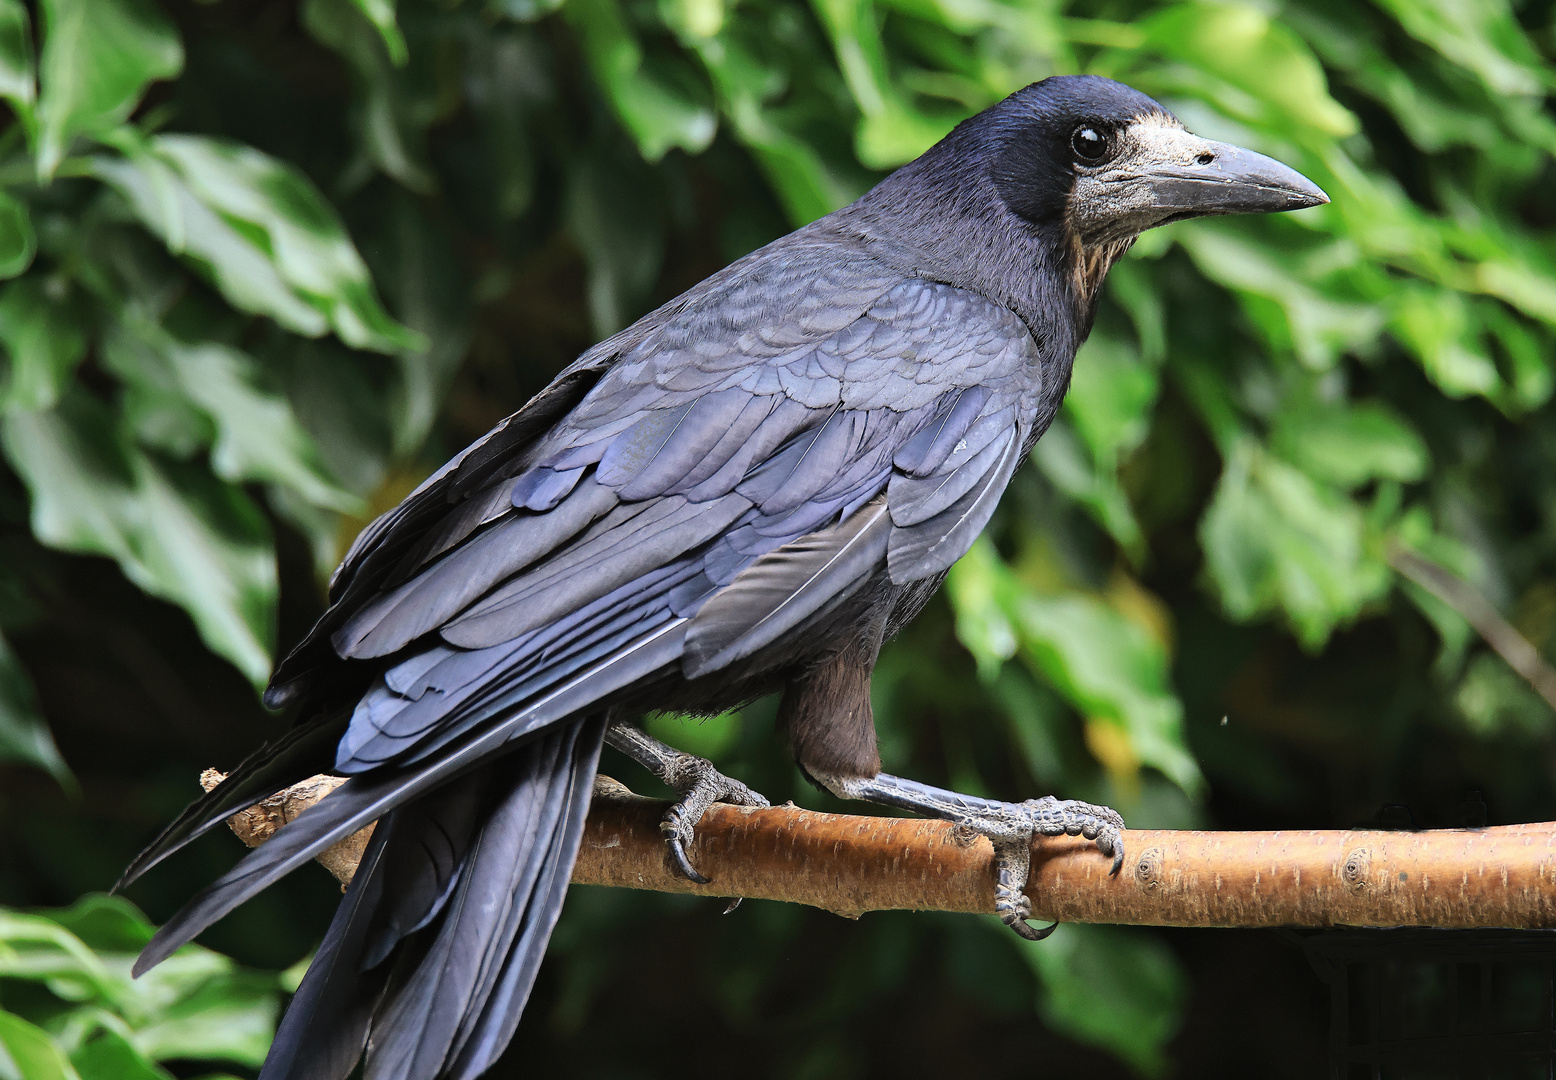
<point x="1225" y="179"/>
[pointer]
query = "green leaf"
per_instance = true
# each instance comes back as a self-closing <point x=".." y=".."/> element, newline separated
<point x="231" y="1017"/>
<point x="1435" y="325"/>
<point x="176" y="533"/>
<point x="1110" y="398"/>
<point x="1482" y="36"/>
<point x="271" y="243"/>
<point x="302" y="233"/>
<point x="1066" y="463"/>
<point x="1414" y="531"/>
<point x="110" y="1056"/>
<point x="1114" y="987"/>
<point x="381" y="14"/>
<point x="1110" y="669"/>
<point x="1521" y="283"/>
<point x="660" y="114"/>
<point x="18" y="69"/>
<point x="808" y="183"/>
<point x="1109" y="406"/>
<point x="891" y="131"/>
<point x="238" y="266"/>
<point x="185" y="973"/>
<point x="391" y="123"/>
<point x="1528" y="352"/>
<point x="28" y="1053"/>
<point x="1281" y="82"/>
<point x="1497" y="702"/>
<point x="1277" y="541"/>
<point x="976" y="587"/>
<point x="419" y="269"/>
<point x="1104" y="664"/>
<point x="1293" y="315"/>
<point x="195" y="1005"/>
<point x="17" y="242"/>
<point x="105" y="923"/>
<point x="36" y="948"/>
<point x="98" y="56"/>
<point x="24" y="735"/>
<point x="256" y="435"/>
<point x="44" y="341"/>
<point x="1348" y="447"/>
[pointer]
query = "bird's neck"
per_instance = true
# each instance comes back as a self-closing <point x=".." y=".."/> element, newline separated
<point x="1088" y="265"/>
<point x="955" y="229"/>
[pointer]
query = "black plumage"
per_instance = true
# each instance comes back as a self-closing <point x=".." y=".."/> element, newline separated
<point x="747" y="490"/>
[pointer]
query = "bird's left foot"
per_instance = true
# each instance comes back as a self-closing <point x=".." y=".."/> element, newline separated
<point x="1010" y="827"/>
<point x="698" y="782"/>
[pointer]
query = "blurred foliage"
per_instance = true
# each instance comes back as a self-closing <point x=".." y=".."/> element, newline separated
<point x="1185" y="607"/>
<point x="70" y="1011"/>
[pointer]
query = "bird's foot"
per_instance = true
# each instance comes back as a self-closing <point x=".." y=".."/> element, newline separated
<point x="700" y="786"/>
<point x="1010" y="827"/>
<point x="1011" y="830"/>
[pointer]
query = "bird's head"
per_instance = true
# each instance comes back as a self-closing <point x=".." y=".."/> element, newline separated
<point x="1068" y="171"/>
<point x="1094" y="163"/>
<point x="1106" y="163"/>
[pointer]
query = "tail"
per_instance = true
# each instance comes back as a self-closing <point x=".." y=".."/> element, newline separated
<point x="435" y="947"/>
<point x="297" y="755"/>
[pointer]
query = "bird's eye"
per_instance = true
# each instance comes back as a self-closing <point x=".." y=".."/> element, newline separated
<point x="1089" y="144"/>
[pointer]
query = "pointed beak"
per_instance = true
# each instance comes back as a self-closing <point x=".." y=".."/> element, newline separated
<point x="1162" y="173"/>
<point x="1224" y="179"/>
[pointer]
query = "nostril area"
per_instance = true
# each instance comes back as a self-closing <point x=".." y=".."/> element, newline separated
<point x="1206" y="158"/>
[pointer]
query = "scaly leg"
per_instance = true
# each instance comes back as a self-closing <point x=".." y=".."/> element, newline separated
<point x="1010" y="827"/>
<point x="699" y="783"/>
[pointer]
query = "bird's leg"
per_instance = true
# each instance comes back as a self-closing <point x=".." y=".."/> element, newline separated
<point x="1010" y="827"/>
<point x="699" y="783"/>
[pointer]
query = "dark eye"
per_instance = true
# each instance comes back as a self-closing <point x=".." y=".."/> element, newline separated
<point x="1089" y="144"/>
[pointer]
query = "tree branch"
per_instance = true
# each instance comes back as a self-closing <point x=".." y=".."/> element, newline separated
<point x="1519" y="653"/>
<point x="1503" y="876"/>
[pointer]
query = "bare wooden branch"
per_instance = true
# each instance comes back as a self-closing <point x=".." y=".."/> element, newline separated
<point x="259" y="823"/>
<point x="1503" y="876"/>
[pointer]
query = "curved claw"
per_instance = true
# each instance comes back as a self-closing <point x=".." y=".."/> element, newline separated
<point x="682" y="863"/>
<point x="1118" y="861"/>
<point x="1030" y="932"/>
<point x="706" y="786"/>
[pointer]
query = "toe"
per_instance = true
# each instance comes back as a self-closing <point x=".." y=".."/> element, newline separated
<point x="740" y="795"/>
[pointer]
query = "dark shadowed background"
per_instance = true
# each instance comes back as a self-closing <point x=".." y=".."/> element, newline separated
<point x="268" y="263"/>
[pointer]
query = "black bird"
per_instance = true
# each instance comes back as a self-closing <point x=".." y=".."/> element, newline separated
<point x="748" y="490"/>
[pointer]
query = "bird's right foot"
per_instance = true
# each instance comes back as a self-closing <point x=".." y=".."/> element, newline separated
<point x="700" y="786"/>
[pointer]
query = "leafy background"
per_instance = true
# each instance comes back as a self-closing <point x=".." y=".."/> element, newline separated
<point x="267" y="263"/>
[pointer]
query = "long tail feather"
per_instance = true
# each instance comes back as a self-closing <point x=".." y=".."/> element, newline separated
<point x="367" y="798"/>
<point x="449" y="1001"/>
<point x="325" y="1027"/>
<point x="486" y="1034"/>
<point x="297" y="755"/>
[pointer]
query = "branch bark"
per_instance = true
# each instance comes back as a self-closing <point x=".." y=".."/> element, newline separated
<point x="1503" y="876"/>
